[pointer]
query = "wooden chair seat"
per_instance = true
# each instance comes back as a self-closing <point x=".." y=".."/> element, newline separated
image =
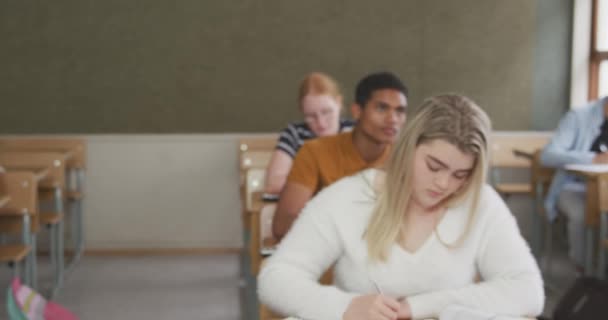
<point x="14" y="225"/>
<point x="514" y="188"/>
<point x="47" y="218"/>
<point x="13" y="253"/>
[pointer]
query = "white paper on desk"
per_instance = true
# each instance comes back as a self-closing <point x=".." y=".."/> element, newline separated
<point x="595" y="168"/>
<point x="465" y="313"/>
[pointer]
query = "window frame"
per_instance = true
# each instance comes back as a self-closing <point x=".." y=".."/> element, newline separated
<point x="596" y="56"/>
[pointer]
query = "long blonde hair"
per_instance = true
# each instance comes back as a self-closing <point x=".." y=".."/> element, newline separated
<point x="453" y="118"/>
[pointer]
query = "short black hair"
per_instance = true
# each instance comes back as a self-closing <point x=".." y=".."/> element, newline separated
<point x="377" y="81"/>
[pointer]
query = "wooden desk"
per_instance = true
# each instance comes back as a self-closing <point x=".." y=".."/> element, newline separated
<point x="4" y="200"/>
<point x="39" y="172"/>
<point x="596" y="203"/>
<point x="53" y="183"/>
<point x="73" y="153"/>
<point x="67" y="152"/>
<point x="74" y="148"/>
<point x="513" y="150"/>
<point x="17" y="216"/>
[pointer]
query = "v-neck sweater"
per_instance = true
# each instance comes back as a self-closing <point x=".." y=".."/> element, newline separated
<point x="330" y="231"/>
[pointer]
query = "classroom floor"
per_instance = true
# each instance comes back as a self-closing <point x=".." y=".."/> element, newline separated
<point x="186" y="287"/>
<point x="147" y="288"/>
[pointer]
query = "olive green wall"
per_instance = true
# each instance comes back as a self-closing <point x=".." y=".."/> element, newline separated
<point x="126" y="66"/>
<point x="552" y="55"/>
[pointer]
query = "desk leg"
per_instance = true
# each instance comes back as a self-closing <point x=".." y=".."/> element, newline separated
<point x="80" y="226"/>
<point x="589" y="244"/>
<point x="33" y="269"/>
<point x="30" y="259"/>
<point x="58" y="250"/>
<point x="601" y="270"/>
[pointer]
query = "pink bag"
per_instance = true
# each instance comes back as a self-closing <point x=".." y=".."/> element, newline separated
<point x="35" y="307"/>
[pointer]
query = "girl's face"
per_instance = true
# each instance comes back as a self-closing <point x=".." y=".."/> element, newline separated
<point x="440" y="170"/>
<point x="321" y="114"/>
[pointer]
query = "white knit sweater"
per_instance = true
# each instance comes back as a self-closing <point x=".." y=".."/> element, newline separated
<point x="330" y="230"/>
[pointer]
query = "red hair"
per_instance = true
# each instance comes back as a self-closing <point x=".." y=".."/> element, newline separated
<point x="318" y="83"/>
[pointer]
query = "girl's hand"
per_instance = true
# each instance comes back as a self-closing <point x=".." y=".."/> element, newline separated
<point x="404" y="310"/>
<point x="372" y="307"/>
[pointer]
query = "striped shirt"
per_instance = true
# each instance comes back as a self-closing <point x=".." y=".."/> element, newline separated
<point x="296" y="133"/>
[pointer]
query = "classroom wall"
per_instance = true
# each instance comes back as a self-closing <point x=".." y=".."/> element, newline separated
<point x="552" y="55"/>
<point x="126" y="66"/>
<point x="181" y="191"/>
<point x="134" y="76"/>
<point x="159" y="191"/>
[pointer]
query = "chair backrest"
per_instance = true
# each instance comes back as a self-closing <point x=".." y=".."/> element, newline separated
<point x="258" y="143"/>
<point x="75" y="145"/>
<point x="254" y="182"/>
<point x="255" y="152"/>
<point x="255" y="159"/>
<point x="513" y="150"/>
<point x="56" y="177"/>
<point x="504" y="143"/>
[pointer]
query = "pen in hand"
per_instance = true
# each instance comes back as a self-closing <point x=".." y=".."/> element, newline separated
<point x="377" y="287"/>
<point x="379" y="291"/>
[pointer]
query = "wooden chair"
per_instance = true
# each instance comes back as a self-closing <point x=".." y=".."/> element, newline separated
<point x="253" y="160"/>
<point x="258" y="143"/>
<point x="254" y="153"/>
<point x="254" y="156"/>
<point x="54" y="182"/>
<point x="262" y="242"/>
<point x="76" y="160"/>
<point x="20" y="194"/>
<point x="254" y="186"/>
<point x="506" y="152"/>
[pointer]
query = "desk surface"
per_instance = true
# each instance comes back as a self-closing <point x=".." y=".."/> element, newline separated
<point x="587" y="169"/>
<point x="39" y="172"/>
<point x="69" y="151"/>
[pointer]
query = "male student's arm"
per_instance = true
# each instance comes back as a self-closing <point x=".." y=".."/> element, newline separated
<point x="560" y="150"/>
<point x="301" y="185"/>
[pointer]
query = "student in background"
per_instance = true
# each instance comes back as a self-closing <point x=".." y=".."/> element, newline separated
<point x="379" y="108"/>
<point x="422" y="238"/>
<point x="580" y="138"/>
<point x="320" y="103"/>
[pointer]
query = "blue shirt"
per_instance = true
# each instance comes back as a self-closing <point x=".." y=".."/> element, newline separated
<point x="571" y="144"/>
